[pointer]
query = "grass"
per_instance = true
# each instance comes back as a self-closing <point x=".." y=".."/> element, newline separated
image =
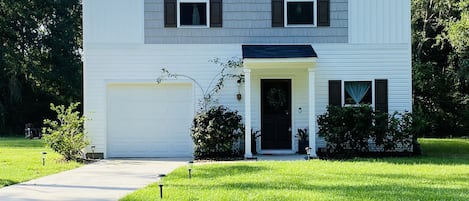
<point x="21" y="160"/>
<point x="442" y="173"/>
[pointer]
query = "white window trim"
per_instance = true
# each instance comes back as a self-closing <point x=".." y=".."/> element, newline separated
<point x="178" y="13"/>
<point x="315" y="17"/>
<point x="372" y="105"/>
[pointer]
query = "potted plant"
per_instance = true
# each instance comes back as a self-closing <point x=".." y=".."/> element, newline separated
<point x="303" y="141"/>
<point x="254" y="136"/>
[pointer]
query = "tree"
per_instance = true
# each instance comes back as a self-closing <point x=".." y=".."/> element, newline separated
<point x="40" y="60"/>
<point x="440" y="66"/>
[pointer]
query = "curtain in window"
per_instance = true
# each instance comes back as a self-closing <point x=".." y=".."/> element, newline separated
<point x="195" y="15"/>
<point x="357" y="90"/>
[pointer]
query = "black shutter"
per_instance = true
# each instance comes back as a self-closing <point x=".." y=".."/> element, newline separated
<point x="170" y="18"/>
<point x="381" y="95"/>
<point x="277" y="13"/>
<point x="216" y="13"/>
<point x="335" y="92"/>
<point x="324" y="13"/>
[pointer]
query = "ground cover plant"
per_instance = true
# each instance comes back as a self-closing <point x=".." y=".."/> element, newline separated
<point x="21" y="160"/>
<point x="441" y="173"/>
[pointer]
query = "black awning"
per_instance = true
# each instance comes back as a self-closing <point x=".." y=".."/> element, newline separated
<point x="278" y="51"/>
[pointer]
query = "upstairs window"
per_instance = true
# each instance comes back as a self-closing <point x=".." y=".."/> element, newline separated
<point x="300" y="13"/>
<point x="193" y="13"/>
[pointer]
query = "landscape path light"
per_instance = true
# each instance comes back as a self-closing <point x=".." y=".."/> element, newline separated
<point x="92" y="151"/>
<point x="189" y="168"/>
<point x="308" y="153"/>
<point x="160" y="184"/>
<point x="44" y="158"/>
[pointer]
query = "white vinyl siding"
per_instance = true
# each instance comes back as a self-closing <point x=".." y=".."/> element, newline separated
<point x="143" y="63"/>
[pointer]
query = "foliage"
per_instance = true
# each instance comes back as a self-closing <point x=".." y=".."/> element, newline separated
<point x="230" y="70"/>
<point x="22" y="161"/>
<point x="40" y="60"/>
<point x="215" y="131"/>
<point x="66" y="134"/>
<point x="349" y="130"/>
<point x="441" y="66"/>
<point x="302" y="134"/>
<point x="441" y="174"/>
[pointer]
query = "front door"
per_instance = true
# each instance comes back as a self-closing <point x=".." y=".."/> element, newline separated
<point x="276" y="113"/>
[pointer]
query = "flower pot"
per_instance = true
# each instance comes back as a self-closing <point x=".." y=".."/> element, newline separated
<point x="302" y="144"/>
<point x="253" y="147"/>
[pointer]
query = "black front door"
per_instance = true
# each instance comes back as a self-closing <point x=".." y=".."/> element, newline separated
<point x="276" y="113"/>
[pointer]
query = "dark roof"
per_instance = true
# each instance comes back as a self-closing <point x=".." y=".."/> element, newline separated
<point x="278" y="51"/>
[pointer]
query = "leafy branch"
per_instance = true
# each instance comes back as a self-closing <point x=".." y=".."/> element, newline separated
<point x="228" y="71"/>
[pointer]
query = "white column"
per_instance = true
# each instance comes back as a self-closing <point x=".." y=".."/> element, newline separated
<point x="247" y="113"/>
<point x="312" y="111"/>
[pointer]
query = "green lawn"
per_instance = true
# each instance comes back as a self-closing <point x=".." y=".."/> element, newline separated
<point x="442" y="173"/>
<point x="21" y="160"/>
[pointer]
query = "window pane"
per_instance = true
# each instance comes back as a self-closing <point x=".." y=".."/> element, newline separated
<point x="360" y="91"/>
<point x="193" y="14"/>
<point x="300" y="12"/>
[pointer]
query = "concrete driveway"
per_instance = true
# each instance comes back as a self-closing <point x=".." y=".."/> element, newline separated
<point x="102" y="180"/>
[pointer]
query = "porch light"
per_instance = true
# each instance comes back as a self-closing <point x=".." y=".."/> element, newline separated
<point x="238" y="95"/>
<point x="160" y="184"/>
<point x="44" y="158"/>
<point x="92" y="151"/>
<point x="189" y="168"/>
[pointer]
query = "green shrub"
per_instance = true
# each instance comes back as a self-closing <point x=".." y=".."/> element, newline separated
<point x="215" y="131"/>
<point x="349" y="131"/>
<point x="66" y="134"/>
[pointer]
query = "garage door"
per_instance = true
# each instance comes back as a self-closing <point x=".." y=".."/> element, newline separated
<point x="149" y="120"/>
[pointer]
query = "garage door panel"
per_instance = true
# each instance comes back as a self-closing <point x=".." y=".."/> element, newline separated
<point x="149" y="120"/>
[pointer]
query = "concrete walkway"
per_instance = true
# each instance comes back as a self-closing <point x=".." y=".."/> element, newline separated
<point x="102" y="180"/>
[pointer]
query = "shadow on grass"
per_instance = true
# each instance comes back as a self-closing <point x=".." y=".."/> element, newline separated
<point x="20" y="142"/>
<point x="210" y="172"/>
<point x="7" y="182"/>
<point x="425" y="160"/>
<point x="353" y="192"/>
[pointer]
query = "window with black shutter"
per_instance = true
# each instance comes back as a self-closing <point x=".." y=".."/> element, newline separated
<point x="335" y="92"/>
<point x="193" y="13"/>
<point x="170" y="13"/>
<point x="216" y="13"/>
<point x="381" y="95"/>
<point x="300" y="13"/>
<point x="352" y="93"/>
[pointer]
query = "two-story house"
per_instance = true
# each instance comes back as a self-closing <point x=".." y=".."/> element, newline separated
<point x="299" y="56"/>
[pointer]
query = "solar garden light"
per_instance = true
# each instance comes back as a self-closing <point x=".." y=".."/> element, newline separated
<point x="308" y="153"/>
<point x="92" y="151"/>
<point x="160" y="184"/>
<point x="189" y="168"/>
<point x="44" y="158"/>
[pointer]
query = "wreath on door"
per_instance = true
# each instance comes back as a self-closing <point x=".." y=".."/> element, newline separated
<point x="276" y="98"/>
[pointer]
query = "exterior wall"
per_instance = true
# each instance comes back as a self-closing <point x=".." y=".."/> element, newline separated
<point x="113" y="21"/>
<point x="246" y="21"/>
<point x="115" y="51"/>
<point x="143" y="63"/>
<point x="379" y="21"/>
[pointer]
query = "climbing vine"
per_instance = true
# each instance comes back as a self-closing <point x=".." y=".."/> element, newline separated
<point x="230" y="69"/>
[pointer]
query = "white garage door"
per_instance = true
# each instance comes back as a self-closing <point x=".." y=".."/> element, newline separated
<point x="149" y="120"/>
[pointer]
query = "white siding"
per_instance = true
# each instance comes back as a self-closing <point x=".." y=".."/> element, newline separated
<point x="142" y="63"/>
<point x="113" y="21"/>
<point x="379" y="21"/>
